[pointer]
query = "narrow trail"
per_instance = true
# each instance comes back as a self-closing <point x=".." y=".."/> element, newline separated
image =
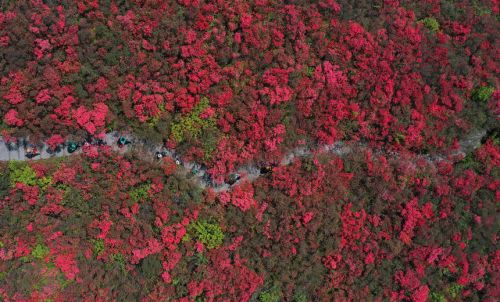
<point x="10" y="151"/>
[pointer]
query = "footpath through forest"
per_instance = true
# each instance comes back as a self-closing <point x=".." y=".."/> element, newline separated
<point x="23" y="151"/>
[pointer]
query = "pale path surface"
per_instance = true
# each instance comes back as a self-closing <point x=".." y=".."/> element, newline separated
<point x="249" y="173"/>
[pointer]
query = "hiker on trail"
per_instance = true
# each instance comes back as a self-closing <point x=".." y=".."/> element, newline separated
<point x="72" y="147"/>
<point x="266" y="169"/>
<point x="160" y="154"/>
<point x="207" y="179"/>
<point x="195" y="170"/>
<point x="122" y="141"/>
<point x="233" y="178"/>
<point x="100" y="142"/>
<point x="178" y="160"/>
<point x="31" y="152"/>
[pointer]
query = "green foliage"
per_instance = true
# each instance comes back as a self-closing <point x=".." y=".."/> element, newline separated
<point x="103" y="32"/>
<point x="210" y="234"/>
<point x="482" y="94"/>
<point x="493" y="135"/>
<point x="80" y="91"/>
<point x="469" y="162"/>
<point x="271" y="295"/>
<point x="4" y="180"/>
<point x="151" y="267"/>
<point x="479" y="9"/>
<point x="25" y="259"/>
<point x="40" y="251"/>
<point x="153" y="121"/>
<point x="139" y="193"/>
<point x="431" y="23"/>
<point x="44" y="182"/>
<point x="97" y="246"/>
<point x="211" y="138"/>
<point x="63" y="281"/>
<point x="42" y="282"/>
<point x="23" y="173"/>
<point x="454" y="290"/>
<point x="437" y="297"/>
<point x="88" y="73"/>
<point x="120" y="261"/>
<point x="309" y="165"/>
<point x="200" y="259"/>
<point x="399" y="138"/>
<point x="192" y="124"/>
<point x="186" y="238"/>
<point x="309" y="71"/>
<point x="300" y="297"/>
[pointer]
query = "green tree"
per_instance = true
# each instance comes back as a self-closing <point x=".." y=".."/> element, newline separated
<point x="40" y="251"/>
<point x="273" y="294"/>
<point x="431" y="23"/>
<point x="139" y="193"/>
<point x="20" y="172"/>
<point x="192" y="124"/>
<point x="97" y="246"/>
<point x="482" y="94"/>
<point x="210" y="234"/>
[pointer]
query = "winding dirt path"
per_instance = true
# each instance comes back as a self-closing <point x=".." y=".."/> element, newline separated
<point x="9" y="151"/>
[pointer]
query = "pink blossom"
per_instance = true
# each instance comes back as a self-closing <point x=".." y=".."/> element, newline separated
<point x="43" y="96"/>
<point x="199" y="247"/>
<point x="11" y="118"/>
<point x="67" y="264"/>
<point x="421" y="294"/>
<point x="54" y="141"/>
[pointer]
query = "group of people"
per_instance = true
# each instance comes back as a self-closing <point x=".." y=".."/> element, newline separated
<point x="71" y="146"/>
<point x="91" y="141"/>
<point x="32" y="151"/>
<point x="235" y="177"/>
<point x="232" y="179"/>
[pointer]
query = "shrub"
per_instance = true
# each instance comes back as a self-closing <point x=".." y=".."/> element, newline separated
<point x="97" y="246"/>
<point x="4" y="183"/>
<point x="482" y="94"/>
<point x="192" y="124"/>
<point x="271" y="295"/>
<point x="151" y="267"/>
<point x="210" y="234"/>
<point x="431" y="23"/>
<point x="300" y="297"/>
<point x="454" y="290"/>
<point x="119" y="260"/>
<point x="40" y="251"/>
<point x="437" y="297"/>
<point x="20" y="172"/>
<point x="139" y="193"/>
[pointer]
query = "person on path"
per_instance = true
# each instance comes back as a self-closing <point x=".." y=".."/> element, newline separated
<point x="122" y="141"/>
<point x="72" y="147"/>
<point x="267" y="169"/>
<point x="160" y="154"/>
<point x="31" y="152"/>
<point x="233" y="178"/>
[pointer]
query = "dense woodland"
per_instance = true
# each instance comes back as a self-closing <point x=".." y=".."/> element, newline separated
<point x="231" y="83"/>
